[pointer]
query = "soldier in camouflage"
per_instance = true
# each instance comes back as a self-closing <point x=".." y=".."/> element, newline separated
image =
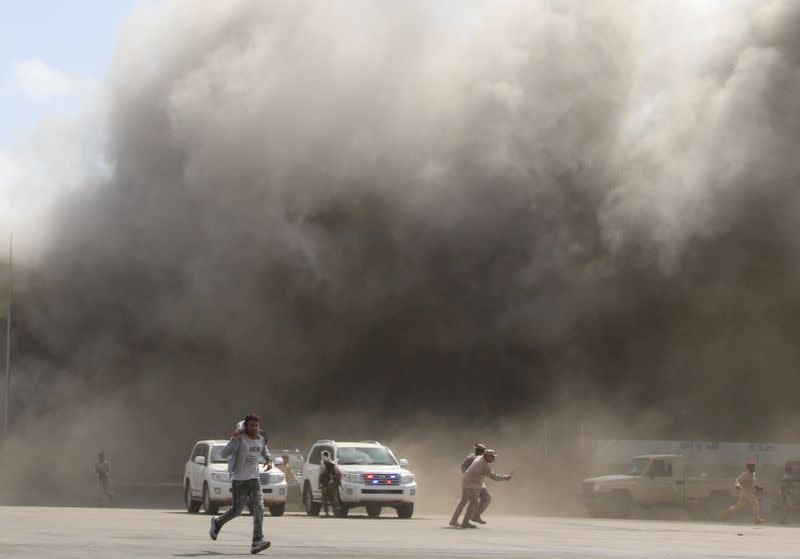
<point x="330" y="478"/>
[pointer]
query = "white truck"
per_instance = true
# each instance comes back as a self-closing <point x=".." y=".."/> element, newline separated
<point x="371" y="477"/>
<point x="655" y="479"/>
<point x="206" y="481"/>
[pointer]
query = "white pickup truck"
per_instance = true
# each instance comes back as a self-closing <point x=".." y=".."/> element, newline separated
<point x="654" y="479"/>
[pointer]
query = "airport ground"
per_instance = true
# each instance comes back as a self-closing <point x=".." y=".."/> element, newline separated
<point x="71" y="533"/>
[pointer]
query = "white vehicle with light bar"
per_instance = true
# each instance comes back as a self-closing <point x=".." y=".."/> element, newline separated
<point x="371" y="477"/>
<point x="207" y="483"/>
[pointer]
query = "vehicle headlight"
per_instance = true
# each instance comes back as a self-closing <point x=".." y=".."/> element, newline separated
<point x="405" y="479"/>
<point x="352" y="478"/>
<point x="598" y="487"/>
<point x="221" y="476"/>
<point x="276" y="478"/>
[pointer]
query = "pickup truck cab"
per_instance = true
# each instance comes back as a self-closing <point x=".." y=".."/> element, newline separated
<point x="371" y="477"/>
<point x="206" y="481"/>
<point x="654" y="479"/>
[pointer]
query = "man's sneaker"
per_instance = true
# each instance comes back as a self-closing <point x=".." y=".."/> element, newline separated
<point x="258" y="547"/>
<point x="467" y="525"/>
<point x="454" y="524"/>
<point x="478" y="519"/>
<point x="214" y="530"/>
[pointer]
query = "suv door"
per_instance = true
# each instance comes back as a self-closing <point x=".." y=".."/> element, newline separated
<point x="311" y="470"/>
<point x="191" y="466"/>
<point x="197" y="469"/>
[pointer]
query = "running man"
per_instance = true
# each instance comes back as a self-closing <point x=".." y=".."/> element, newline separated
<point x="471" y="483"/>
<point x="243" y="451"/>
<point x="785" y="489"/>
<point x="747" y="494"/>
<point x="103" y="469"/>
<point x="485" y="497"/>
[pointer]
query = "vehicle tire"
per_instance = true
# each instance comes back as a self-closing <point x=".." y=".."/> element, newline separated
<point x="192" y="506"/>
<point x="277" y="510"/>
<point x="209" y="506"/>
<point x="374" y="511"/>
<point x="312" y="508"/>
<point x="340" y="510"/>
<point x="620" y="504"/>
<point x="405" y="511"/>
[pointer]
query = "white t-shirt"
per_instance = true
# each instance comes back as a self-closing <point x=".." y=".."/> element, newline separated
<point x="247" y="458"/>
<point x="746" y="481"/>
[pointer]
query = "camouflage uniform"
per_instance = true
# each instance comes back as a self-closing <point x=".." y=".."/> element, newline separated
<point x="330" y="478"/>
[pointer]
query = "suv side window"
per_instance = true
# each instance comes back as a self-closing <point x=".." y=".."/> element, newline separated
<point x="316" y="453"/>
<point x="195" y="451"/>
<point x="200" y="450"/>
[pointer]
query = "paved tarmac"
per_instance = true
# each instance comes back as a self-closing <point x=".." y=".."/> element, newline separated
<point x="27" y="532"/>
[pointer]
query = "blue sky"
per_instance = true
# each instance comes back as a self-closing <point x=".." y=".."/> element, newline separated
<point x="48" y="50"/>
<point x="54" y="58"/>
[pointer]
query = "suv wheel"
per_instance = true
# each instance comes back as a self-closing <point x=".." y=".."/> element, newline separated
<point x="277" y="510"/>
<point x="192" y="506"/>
<point x="312" y="508"/>
<point x="374" y="511"/>
<point x="340" y="510"/>
<point x="405" y="511"/>
<point x="209" y="506"/>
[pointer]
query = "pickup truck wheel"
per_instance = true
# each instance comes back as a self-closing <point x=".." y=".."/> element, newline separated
<point x="277" y="510"/>
<point x="312" y="508"/>
<point x="405" y="511"/>
<point x="209" y="506"/>
<point x="374" y="511"/>
<point x="620" y="504"/>
<point x="192" y="506"/>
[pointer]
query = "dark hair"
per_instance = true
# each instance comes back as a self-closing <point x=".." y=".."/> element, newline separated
<point x="250" y="417"/>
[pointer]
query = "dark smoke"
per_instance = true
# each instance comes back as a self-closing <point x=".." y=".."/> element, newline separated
<point x="364" y="214"/>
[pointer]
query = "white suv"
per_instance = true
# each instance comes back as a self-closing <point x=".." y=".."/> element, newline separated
<point x="206" y="481"/>
<point x="371" y="477"/>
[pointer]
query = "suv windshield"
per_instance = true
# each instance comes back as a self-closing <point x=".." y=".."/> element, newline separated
<point x="217" y="458"/>
<point x="639" y="467"/>
<point x="365" y="456"/>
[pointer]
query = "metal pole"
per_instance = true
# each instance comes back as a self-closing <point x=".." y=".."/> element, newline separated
<point x="8" y="331"/>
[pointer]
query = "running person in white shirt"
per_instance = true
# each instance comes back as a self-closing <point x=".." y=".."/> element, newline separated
<point x="747" y="494"/>
<point x="243" y="451"/>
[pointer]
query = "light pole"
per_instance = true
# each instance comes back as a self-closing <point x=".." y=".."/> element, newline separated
<point x="8" y="332"/>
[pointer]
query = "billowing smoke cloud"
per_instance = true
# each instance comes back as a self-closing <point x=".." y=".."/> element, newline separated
<point x="370" y="211"/>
